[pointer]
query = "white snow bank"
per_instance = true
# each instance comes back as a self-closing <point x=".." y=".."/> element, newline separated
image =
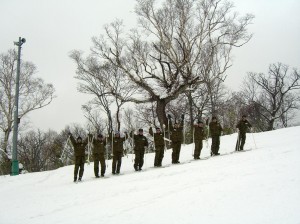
<point x="260" y="185"/>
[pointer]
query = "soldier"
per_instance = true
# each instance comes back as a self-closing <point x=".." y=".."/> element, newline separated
<point x="243" y="126"/>
<point x="215" y="133"/>
<point x="79" y="151"/>
<point x="199" y="135"/>
<point x="99" y="154"/>
<point x="176" y="137"/>
<point x="140" y="144"/>
<point x="159" y="144"/>
<point x="117" y="147"/>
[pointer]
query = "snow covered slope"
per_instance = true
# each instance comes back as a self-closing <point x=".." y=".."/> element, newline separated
<point x="260" y="185"/>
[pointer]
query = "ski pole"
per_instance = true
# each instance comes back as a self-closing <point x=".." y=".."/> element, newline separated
<point x="169" y="131"/>
<point x="207" y="143"/>
<point x="208" y="134"/>
<point x="253" y="140"/>
<point x="106" y="149"/>
<point x="237" y="146"/>
<point x="126" y="146"/>
<point x="89" y="149"/>
<point x="183" y="131"/>
<point x="132" y="149"/>
<point x="112" y="143"/>
<point x="193" y="140"/>
<point x="164" y="127"/>
<point x="145" y="156"/>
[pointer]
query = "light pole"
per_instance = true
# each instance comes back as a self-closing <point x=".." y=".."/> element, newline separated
<point x="15" y="163"/>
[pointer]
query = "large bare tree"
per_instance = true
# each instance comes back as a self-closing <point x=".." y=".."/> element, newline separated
<point x="178" y="43"/>
<point x="34" y="92"/>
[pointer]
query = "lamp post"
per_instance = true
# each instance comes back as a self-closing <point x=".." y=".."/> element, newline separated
<point x="15" y="163"/>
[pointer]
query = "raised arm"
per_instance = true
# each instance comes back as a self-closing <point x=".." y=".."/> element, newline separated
<point x="170" y="122"/>
<point x="72" y="139"/>
<point x="151" y="131"/>
<point x="182" y="121"/>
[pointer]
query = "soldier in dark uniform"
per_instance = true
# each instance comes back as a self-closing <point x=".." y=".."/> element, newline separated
<point x="117" y="149"/>
<point x="159" y="144"/>
<point x="215" y="129"/>
<point x="79" y="151"/>
<point x="99" y="154"/>
<point x="199" y="135"/>
<point x="176" y="136"/>
<point x="140" y="144"/>
<point x="243" y="127"/>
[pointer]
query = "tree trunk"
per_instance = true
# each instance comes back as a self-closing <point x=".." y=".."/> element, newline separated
<point x="271" y="124"/>
<point x="191" y="113"/>
<point x="110" y="128"/>
<point x="161" y="112"/>
<point x="118" y="118"/>
<point x="6" y="137"/>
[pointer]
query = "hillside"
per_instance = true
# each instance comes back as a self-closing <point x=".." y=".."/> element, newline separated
<point x="260" y="185"/>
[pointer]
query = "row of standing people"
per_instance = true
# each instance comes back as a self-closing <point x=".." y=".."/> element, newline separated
<point x="141" y="143"/>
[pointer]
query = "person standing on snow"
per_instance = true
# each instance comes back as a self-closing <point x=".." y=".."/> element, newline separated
<point x="243" y="126"/>
<point x="199" y="135"/>
<point x="140" y="144"/>
<point x="79" y="151"/>
<point x="176" y="136"/>
<point x="159" y="143"/>
<point x="99" y="154"/>
<point x="215" y="129"/>
<point x="117" y="150"/>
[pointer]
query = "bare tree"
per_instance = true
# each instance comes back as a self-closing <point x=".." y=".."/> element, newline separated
<point x="199" y="103"/>
<point x="130" y="119"/>
<point x="276" y="94"/>
<point x="95" y="122"/>
<point x="179" y="44"/>
<point x="118" y="86"/>
<point x="37" y="151"/>
<point x="88" y="72"/>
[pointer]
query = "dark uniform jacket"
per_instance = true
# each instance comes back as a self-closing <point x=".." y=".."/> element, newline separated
<point x="243" y="126"/>
<point x="199" y="133"/>
<point x="158" y="138"/>
<point x="215" y="128"/>
<point x="140" y="142"/>
<point x="99" y="146"/>
<point x="79" y="148"/>
<point x="117" y="143"/>
<point x="176" y="134"/>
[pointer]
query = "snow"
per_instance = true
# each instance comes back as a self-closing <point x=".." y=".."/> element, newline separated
<point x="260" y="185"/>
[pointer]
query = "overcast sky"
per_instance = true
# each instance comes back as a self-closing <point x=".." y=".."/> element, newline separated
<point x="53" y="28"/>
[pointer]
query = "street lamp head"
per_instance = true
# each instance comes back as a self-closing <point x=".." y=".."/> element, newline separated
<point x="20" y="42"/>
